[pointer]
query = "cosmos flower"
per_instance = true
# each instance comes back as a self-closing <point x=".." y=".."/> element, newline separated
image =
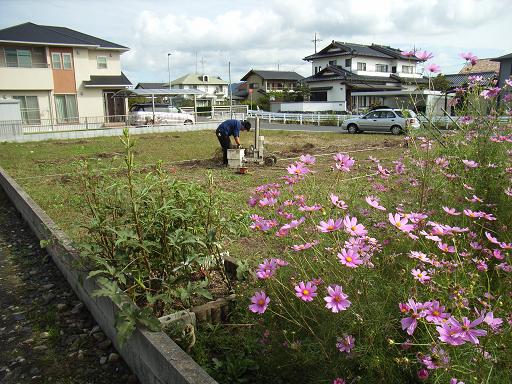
<point x="374" y="202"/>
<point x="420" y="275"/>
<point x="337" y="300"/>
<point x="346" y="343"/>
<point x="307" y="159"/>
<point x="259" y="302"/>
<point x="433" y="68"/>
<point x="297" y="169"/>
<point x="330" y="225"/>
<point x="335" y="200"/>
<point x="352" y="228"/>
<point x="400" y="222"/>
<point x="470" y="163"/>
<point x="349" y="258"/>
<point x="424" y="55"/>
<point x="305" y="291"/>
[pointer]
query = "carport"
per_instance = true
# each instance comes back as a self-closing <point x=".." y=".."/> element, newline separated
<point x="160" y="92"/>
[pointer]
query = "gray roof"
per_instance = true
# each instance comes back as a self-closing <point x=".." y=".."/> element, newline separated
<point x="274" y="75"/>
<point x="503" y="58"/>
<point x="108" y="81"/>
<point x="352" y="49"/>
<point x="462" y="79"/>
<point x="31" y="33"/>
<point x="157" y="92"/>
<point x="151" y="86"/>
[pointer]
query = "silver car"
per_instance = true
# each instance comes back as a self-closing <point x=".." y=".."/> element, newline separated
<point x="142" y="114"/>
<point x="395" y="121"/>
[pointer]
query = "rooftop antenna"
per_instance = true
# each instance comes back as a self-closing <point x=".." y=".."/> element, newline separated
<point x="315" y="40"/>
<point x="196" y="62"/>
<point x="202" y="64"/>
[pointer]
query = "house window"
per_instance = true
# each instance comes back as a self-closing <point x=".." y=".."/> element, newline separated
<point x="381" y="68"/>
<point x="56" y="61"/>
<point x="67" y="110"/>
<point x="23" y="57"/>
<point x="348" y="63"/>
<point x="66" y="61"/>
<point x="101" y="62"/>
<point x="316" y="70"/>
<point x="29" y="107"/>
<point x="361" y="66"/>
<point x="254" y="86"/>
<point x="407" y="68"/>
<point x="332" y="62"/>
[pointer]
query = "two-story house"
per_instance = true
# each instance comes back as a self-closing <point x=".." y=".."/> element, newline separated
<point x="260" y="82"/>
<point x="505" y="73"/>
<point x="60" y="75"/>
<point x="215" y="89"/>
<point x="358" y="76"/>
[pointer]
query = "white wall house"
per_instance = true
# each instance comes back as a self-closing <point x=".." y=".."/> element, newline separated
<point x="356" y="76"/>
<point x="59" y="74"/>
<point x="216" y="89"/>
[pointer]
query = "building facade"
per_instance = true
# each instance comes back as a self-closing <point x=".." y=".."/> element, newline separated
<point x="358" y="76"/>
<point x="59" y="74"/>
<point x="215" y="89"/>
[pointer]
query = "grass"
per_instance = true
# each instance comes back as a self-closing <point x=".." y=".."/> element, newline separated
<point x="47" y="170"/>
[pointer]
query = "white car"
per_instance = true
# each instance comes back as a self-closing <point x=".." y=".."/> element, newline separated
<point x="142" y="114"/>
<point x="395" y="121"/>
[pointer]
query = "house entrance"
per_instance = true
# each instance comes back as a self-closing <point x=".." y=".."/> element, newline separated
<point x="114" y="107"/>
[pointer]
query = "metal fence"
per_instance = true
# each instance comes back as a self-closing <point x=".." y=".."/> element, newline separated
<point x="18" y="127"/>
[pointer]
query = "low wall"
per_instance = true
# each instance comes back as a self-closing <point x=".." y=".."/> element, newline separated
<point x="107" y="132"/>
<point x="152" y="356"/>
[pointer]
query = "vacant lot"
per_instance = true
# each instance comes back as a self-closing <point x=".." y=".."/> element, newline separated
<point x="47" y="170"/>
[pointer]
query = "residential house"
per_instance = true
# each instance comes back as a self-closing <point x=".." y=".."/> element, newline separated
<point x="505" y="71"/>
<point x="260" y="82"/>
<point x="60" y="74"/>
<point x="216" y="89"/>
<point x="351" y="76"/>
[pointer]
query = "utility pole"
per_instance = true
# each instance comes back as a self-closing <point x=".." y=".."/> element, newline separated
<point x="315" y="40"/>
<point x="230" y="90"/>
<point x="169" y="68"/>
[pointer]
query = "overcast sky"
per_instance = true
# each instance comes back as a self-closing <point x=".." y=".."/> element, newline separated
<point x="270" y="34"/>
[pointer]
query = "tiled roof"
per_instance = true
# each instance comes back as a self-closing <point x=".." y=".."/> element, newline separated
<point x="196" y="79"/>
<point x="482" y="65"/>
<point x="337" y="48"/>
<point x="274" y="75"/>
<point x="151" y="86"/>
<point x="461" y="79"/>
<point x="44" y="34"/>
<point x="98" y="81"/>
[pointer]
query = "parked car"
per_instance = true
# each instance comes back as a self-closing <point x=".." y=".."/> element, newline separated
<point x="395" y="121"/>
<point x="142" y="114"/>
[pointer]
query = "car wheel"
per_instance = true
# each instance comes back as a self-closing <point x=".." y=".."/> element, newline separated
<point x="189" y="122"/>
<point x="396" y="130"/>
<point x="352" y="128"/>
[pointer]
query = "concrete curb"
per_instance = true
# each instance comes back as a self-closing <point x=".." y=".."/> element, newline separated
<point x="152" y="356"/>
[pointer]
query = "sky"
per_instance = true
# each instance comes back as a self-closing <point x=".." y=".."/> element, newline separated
<point x="207" y="35"/>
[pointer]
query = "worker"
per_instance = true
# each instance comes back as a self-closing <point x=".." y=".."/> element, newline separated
<point x="230" y="128"/>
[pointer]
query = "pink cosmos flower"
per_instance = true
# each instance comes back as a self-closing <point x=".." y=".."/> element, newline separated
<point x="423" y="374"/>
<point x="343" y="162"/>
<point x="346" y="343"/>
<point x="352" y="228"/>
<point x="305" y="291"/>
<point x="453" y="380"/>
<point x="307" y="159"/>
<point x="335" y="200"/>
<point x="451" y="211"/>
<point x="424" y="55"/>
<point x="266" y="269"/>
<point x="467" y="333"/>
<point x="493" y="322"/>
<point x="339" y="380"/>
<point x="435" y="313"/>
<point x="474" y="199"/>
<point x="267" y="201"/>
<point x="311" y="208"/>
<point x="421" y="276"/>
<point x="374" y="202"/>
<point x="329" y="226"/>
<point x="349" y="258"/>
<point x="491" y="238"/>
<point x="442" y="162"/>
<point x="303" y="247"/>
<point x="490" y="93"/>
<point x="400" y="222"/>
<point x="433" y="68"/>
<point x="409" y="53"/>
<point x="410" y="323"/>
<point x="508" y="82"/>
<point x="446" y="248"/>
<point x="337" y="300"/>
<point x="297" y="169"/>
<point x="472" y="214"/>
<point x="259" y="302"/>
<point x="470" y="163"/>
<point x="449" y="332"/>
<point x="468" y="56"/>
<point x="383" y="172"/>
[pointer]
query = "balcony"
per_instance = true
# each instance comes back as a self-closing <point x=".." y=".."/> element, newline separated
<point x="36" y="78"/>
